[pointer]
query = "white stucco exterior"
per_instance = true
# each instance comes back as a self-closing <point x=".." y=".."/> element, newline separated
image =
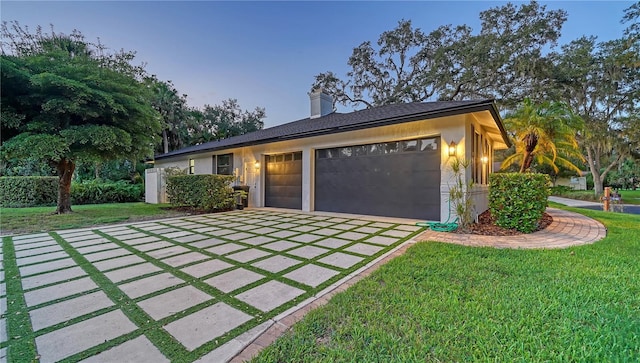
<point x="457" y="128"/>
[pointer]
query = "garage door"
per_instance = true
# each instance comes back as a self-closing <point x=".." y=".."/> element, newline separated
<point x="394" y="179"/>
<point x="283" y="181"/>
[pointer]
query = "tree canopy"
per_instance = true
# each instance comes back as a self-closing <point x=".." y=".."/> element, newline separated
<point x="65" y="99"/>
<point x="223" y="121"/>
<point x="503" y="60"/>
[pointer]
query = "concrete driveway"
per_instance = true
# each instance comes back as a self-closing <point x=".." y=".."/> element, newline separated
<point x="197" y="288"/>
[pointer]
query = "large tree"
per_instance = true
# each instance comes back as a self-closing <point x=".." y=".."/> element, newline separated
<point x="546" y="133"/>
<point x="601" y="83"/>
<point x="65" y="99"/>
<point x="503" y="61"/>
<point x="223" y="121"/>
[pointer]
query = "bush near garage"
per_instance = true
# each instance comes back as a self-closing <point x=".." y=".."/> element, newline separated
<point x="28" y="191"/>
<point x="518" y="200"/>
<point x="99" y="192"/>
<point x="203" y="192"/>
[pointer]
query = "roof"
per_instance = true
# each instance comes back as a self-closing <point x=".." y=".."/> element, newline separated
<point x="341" y="122"/>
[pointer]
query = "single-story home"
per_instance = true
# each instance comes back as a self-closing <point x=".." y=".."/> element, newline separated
<point x="392" y="160"/>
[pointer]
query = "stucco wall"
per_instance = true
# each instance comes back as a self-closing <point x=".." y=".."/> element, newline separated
<point x="452" y="128"/>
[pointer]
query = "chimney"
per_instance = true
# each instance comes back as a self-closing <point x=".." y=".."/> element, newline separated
<point x="321" y="103"/>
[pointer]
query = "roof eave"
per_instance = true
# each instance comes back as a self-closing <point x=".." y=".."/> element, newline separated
<point x="456" y="110"/>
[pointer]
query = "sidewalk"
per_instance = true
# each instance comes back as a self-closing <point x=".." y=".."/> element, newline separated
<point x="574" y="202"/>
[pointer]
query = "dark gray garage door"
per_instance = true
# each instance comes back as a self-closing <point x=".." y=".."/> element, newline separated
<point x="394" y="179"/>
<point x="283" y="181"/>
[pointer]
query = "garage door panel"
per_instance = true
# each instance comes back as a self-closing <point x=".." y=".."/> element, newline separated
<point x="402" y="184"/>
<point x="283" y="181"/>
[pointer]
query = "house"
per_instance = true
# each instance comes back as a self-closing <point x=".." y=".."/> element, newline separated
<point x="392" y="160"/>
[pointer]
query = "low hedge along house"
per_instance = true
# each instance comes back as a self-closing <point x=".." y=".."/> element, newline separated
<point x="388" y="161"/>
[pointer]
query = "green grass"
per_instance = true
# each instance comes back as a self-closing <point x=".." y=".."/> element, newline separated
<point x="628" y="196"/>
<point x="443" y="302"/>
<point x="41" y="219"/>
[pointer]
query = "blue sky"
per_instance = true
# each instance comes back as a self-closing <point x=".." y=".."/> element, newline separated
<point x="266" y="53"/>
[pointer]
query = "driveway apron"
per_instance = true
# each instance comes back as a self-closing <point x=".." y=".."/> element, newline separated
<point x="197" y="288"/>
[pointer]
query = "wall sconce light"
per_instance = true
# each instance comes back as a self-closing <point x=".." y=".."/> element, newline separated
<point x="452" y="149"/>
<point x="257" y="165"/>
<point x="484" y="159"/>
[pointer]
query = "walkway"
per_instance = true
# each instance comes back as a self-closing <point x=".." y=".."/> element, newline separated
<point x="567" y="229"/>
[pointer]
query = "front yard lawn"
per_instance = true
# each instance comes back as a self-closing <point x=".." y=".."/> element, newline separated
<point x="447" y="303"/>
<point x="41" y="219"/>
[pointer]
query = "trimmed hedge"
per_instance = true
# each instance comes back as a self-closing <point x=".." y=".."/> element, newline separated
<point x="203" y="191"/>
<point x="518" y="200"/>
<point x="28" y="191"/>
<point x="99" y="192"/>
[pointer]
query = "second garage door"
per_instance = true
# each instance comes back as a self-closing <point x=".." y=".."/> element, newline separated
<point x="393" y="179"/>
<point x="283" y="180"/>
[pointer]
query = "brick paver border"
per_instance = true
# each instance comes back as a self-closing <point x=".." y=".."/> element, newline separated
<point x="567" y="229"/>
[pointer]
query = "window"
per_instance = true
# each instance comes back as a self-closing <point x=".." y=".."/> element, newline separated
<point x="224" y="164"/>
<point x="289" y="157"/>
<point x="428" y="145"/>
<point x="360" y="150"/>
<point x="411" y="145"/>
<point x="391" y="147"/>
<point x="480" y="158"/>
<point x="192" y="166"/>
<point x="346" y="152"/>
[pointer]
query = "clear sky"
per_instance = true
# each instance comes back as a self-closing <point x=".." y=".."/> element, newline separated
<point x="266" y="53"/>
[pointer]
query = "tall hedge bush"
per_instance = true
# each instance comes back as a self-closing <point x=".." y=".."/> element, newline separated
<point x="98" y="192"/>
<point x="28" y="191"/>
<point x="518" y="200"/>
<point x="204" y="192"/>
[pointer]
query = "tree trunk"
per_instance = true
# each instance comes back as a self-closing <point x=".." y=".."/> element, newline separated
<point x="65" y="173"/>
<point x="594" y="167"/>
<point x="530" y="143"/>
<point x="165" y="141"/>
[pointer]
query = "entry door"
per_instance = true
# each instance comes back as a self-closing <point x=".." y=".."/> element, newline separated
<point x="392" y="179"/>
<point x="251" y="181"/>
<point x="283" y="180"/>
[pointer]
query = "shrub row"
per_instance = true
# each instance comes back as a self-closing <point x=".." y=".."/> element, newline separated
<point x="517" y="200"/>
<point x="28" y="191"/>
<point x="98" y="192"/>
<point x="204" y="192"/>
<point x="37" y="191"/>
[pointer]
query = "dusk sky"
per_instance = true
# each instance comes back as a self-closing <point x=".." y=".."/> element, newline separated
<point x="266" y="53"/>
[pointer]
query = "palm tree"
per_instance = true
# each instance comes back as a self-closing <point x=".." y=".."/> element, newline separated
<point x="171" y="108"/>
<point x="545" y="133"/>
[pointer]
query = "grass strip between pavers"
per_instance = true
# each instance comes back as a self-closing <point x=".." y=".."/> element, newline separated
<point x="185" y="355"/>
<point x="171" y="348"/>
<point x="20" y="338"/>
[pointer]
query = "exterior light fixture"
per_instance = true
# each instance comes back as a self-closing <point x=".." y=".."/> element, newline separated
<point x="452" y="149"/>
<point x="484" y="159"/>
<point x="257" y="165"/>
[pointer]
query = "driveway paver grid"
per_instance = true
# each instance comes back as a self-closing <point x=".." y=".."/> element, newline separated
<point x="197" y="288"/>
